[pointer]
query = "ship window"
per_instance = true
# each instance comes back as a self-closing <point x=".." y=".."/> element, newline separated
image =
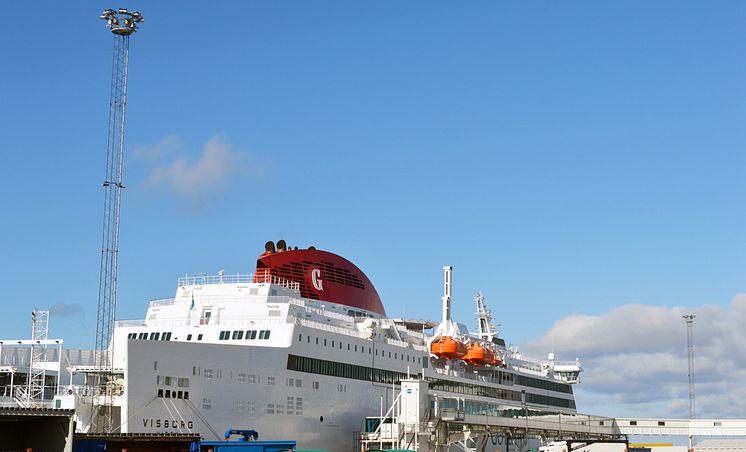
<point x="152" y="336"/>
<point x="143" y="336"/>
<point x="159" y="380"/>
<point x="166" y="337"/>
<point x="324" y="342"/>
<point x="300" y="338"/>
<point x="298" y="383"/>
<point x="264" y="334"/>
<point x="129" y="336"/>
<point x="189" y="337"/>
<point x="308" y="339"/>
<point x="632" y="422"/>
<point x="168" y="381"/>
<point x="250" y="334"/>
<point x="348" y="347"/>
<point x="199" y="337"/>
<point x="661" y="423"/>
<point x="376" y="352"/>
<point x="194" y="370"/>
<point x="370" y="351"/>
<point x="356" y="348"/>
<point x="396" y="356"/>
<point x="389" y="354"/>
<point x="340" y="345"/>
<point x="407" y="358"/>
<point x="238" y="334"/>
<point x="317" y="341"/>
<point x="183" y="382"/>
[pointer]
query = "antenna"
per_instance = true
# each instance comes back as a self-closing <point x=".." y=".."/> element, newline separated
<point x="122" y="23"/>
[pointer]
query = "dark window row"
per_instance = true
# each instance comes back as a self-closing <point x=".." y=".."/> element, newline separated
<point x="497" y="393"/>
<point x="150" y="337"/>
<point x="549" y="400"/>
<point x="343" y="370"/>
<point x="239" y="334"/>
<point x="170" y="394"/>
<point x="540" y="383"/>
<point x="362" y="349"/>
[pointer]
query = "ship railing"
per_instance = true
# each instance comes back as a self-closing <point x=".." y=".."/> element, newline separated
<point x="126" y="323"/>
<point x="161" y="302"/>
<point x="469" y="375"/>
<point x="259" y="277"/>
<point x="332" y="328"/>
<point x="321" y="311"/>
<point x="193" y="320"/>
<point x="396" y="342"/>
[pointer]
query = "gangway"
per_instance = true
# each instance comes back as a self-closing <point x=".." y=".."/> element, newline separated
<point x="420" y="420"/>
<point x="681" y="427"/>
<point x="411" y="423"/>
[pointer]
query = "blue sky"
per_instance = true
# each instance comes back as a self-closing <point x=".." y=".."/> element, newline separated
<point x="567" y="158"/>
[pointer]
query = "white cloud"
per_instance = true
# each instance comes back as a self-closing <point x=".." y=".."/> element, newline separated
<point x="196" y="179"/>
<point x="635" y="359"/>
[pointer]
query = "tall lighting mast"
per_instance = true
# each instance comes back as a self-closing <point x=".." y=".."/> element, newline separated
<point x="689" y="319"/>
<point x="122" y="23"/>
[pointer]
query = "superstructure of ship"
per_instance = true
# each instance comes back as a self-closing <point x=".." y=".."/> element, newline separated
<point x="301" y="348"/>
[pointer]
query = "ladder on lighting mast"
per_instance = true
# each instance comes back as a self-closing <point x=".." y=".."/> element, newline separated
<point x="122" y="23"/>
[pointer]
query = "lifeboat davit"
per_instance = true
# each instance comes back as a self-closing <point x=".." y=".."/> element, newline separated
<point x="447" y="347"/>
<point x="479" y="355"/>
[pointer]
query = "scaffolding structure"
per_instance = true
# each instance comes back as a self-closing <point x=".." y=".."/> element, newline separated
<point x="37" y="364"/>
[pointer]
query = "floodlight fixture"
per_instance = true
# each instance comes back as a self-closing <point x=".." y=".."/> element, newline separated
<point x="122" y="22"/>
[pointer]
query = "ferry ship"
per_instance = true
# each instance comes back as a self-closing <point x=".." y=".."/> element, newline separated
<point x="303" y="348"/>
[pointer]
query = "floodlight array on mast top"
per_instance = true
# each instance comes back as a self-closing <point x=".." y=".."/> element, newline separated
<point x="122" y="22"/>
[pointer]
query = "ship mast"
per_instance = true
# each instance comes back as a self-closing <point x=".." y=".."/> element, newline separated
<point x="484" y="319"/>
<point x="446" y="327"/>
<point x="122" y="23"/>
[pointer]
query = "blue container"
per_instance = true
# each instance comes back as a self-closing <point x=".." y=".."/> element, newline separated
<point x="247" y="446"/>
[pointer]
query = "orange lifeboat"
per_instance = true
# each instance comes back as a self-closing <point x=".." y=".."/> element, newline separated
<point x="479" y="355"/>
<point x="447" y="347"/>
